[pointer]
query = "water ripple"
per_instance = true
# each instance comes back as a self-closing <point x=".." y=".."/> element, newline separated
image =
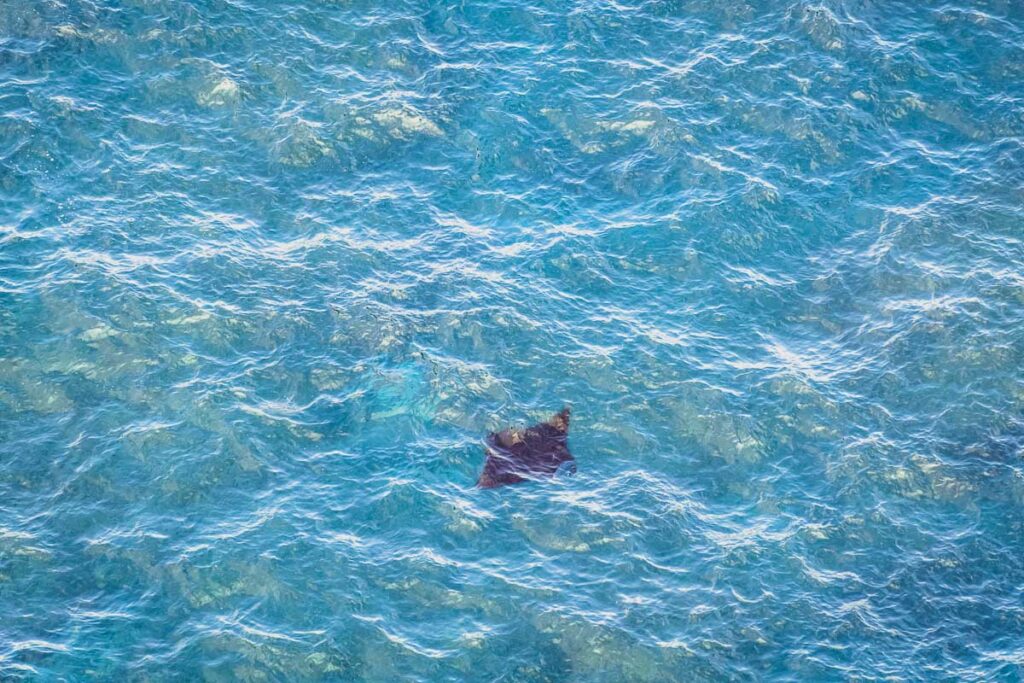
<point x="270" y="271"/>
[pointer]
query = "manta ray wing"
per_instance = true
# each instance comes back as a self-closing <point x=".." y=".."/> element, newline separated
<point x="515" y="455"/>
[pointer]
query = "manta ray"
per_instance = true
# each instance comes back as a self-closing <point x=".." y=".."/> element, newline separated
<point x="515" y="455"/>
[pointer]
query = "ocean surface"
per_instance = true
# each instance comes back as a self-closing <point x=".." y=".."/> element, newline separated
<point x="271" y="270"/>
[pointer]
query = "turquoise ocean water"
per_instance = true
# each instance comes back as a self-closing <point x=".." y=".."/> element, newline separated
<point x="271" y="270"/>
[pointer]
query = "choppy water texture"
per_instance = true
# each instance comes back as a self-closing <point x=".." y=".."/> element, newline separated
<point x="271" y="270"/>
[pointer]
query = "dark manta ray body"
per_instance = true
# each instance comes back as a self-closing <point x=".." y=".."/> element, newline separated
<point x="515" y="455"/>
